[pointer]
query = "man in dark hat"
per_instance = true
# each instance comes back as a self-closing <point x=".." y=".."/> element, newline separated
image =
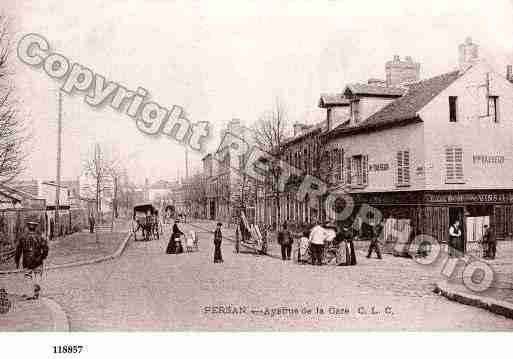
<point x="377" y="232"/>
<point x="285" y="240"/>
<point x="33" y="248"/>
<point x="218" y="239"/>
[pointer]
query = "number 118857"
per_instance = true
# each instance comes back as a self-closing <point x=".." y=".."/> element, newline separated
<point x="67" y="349"/>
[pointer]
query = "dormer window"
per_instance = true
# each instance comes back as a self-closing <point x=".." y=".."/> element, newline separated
<point x="493" y="103"/>
<point x="453" y="108"/>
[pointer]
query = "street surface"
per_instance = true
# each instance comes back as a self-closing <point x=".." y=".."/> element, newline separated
<point x="146" y="289"/>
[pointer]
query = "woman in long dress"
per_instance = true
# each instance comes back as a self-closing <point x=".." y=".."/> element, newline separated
<point x="218" y="239"/>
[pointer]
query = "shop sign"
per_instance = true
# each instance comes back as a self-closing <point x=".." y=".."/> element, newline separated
<point x="469" y="197"/>
<point x="379" y="167"/>
<point x="487" y="159"/>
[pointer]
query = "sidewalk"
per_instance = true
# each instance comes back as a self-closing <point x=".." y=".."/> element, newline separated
<point x="78" y="247"/>
<point x="499" y="297"/>
<point x="33" y="315"/>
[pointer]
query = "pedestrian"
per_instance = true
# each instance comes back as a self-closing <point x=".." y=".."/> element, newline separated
<point x="218" y="240"/>
<point x="317" y="238"/>
<point x="177" y="236"/>
<point x="302" y="251"/>
<point x="32" y="250"/>
<point x="91" y="223"/>
<point x="490" y="243"/>
<point x="285" y="241"/>
<point x="377" y="231"/>
<point x="351" y="236"/>
<point x="237" y="240"/>
<point x="454" y="238"/>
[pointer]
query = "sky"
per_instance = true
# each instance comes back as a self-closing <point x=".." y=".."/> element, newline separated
<point x="227" y="59"/>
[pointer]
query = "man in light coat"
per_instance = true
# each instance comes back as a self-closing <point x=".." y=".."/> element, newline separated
<point x="318" y="236"/>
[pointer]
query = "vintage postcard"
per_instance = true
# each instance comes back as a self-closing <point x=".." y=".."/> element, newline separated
<point x="233" y="166"/>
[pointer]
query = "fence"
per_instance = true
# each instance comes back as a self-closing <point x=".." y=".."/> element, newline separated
<point x="13" y="226"/>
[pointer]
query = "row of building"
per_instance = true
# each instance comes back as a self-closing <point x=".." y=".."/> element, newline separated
<point x="425" y="152"/>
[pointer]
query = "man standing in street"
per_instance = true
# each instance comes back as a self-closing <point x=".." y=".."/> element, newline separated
<point x="33" y="249"/>
<point x="490" y="243"/>
<point x="285" y="241"/>
<point x="317" y="237"/>
<point x="454" y="239"/>
<point x="377" y="230"/>
<point x="91" y="222"/>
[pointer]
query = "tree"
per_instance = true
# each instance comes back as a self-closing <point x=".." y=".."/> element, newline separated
<point x="99" y="168"/>
<point x="269" y="135"/>
<point x="12" y="130"/>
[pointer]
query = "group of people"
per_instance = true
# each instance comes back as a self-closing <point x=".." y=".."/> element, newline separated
<point x="175" y="245"/>
<point x="326" y="242"/>
<point x="489" y="241"/>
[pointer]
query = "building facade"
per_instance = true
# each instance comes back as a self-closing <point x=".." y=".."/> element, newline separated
<point x="440" y="152"/>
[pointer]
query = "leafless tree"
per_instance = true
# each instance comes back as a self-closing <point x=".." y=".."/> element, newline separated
<point x="13" y="134"/>
<point x="99" y="168"/>
<point x="269" y="135"/>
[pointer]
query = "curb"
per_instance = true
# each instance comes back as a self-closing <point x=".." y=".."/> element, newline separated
<point x="495" y="306"/>
<point x="60" y="320"/>
<point x="116" y="254"/>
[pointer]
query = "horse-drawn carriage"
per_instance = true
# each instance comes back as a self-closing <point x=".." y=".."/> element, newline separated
<point x="145" y="219"/>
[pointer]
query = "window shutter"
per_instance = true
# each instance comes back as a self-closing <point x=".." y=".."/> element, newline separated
<point x="458" y="163"/>
<point x="341" y="163"/>
<point x="348" y="170"/>
<point x="449" y="163"/>
<point x="399" y="167"/>
<point x="406" y="167"/>
<point x="365" y="161"/>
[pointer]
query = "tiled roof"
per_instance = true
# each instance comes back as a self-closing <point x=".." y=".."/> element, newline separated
<point x="365" y="89"/>
<point x="333" y="100"/>
<point x="405" y="109"/>
<point x="313" y="128"/>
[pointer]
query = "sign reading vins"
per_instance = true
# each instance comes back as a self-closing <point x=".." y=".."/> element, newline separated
<point x="469" y="197"/>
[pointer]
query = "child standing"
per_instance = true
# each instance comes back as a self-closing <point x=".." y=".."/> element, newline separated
<point x="304" y="242"/>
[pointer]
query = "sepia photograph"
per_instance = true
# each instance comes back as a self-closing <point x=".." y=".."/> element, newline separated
<point x="238" y="166"/>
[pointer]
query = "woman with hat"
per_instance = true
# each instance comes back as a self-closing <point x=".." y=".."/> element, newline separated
<point x="218" y="239"/>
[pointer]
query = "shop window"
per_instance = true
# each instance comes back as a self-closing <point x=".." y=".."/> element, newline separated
<point x="453" y="108"/>
<point x="454" y="165"/>
<point x="403" y="168"/>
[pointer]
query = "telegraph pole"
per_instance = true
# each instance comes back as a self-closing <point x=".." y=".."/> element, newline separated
<point x="186" y="163"/>
<point x="59" y="152"/>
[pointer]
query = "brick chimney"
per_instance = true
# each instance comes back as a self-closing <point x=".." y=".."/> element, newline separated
<point x="468" y="54"/>
<point x="401" y="72"/>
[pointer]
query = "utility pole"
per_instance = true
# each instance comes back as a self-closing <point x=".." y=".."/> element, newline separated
<point x="186" y="163"/>
<point x="59" y="152"/>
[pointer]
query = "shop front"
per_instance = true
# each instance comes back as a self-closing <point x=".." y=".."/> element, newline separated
<point x="433" y="212"/>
